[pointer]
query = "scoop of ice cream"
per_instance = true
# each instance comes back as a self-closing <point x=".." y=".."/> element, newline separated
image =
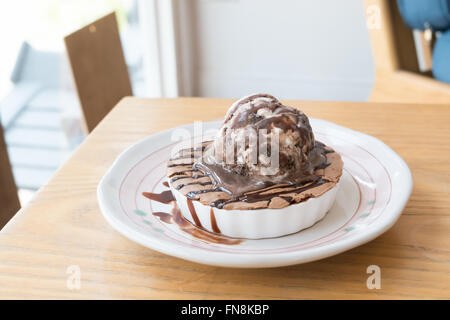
<point x="257" y="125"/>
<point x="263" y="141"/>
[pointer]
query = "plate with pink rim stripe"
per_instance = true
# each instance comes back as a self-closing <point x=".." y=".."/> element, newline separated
<point x="375" y="187"/>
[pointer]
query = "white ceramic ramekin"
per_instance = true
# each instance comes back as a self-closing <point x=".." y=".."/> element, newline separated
<point x="260" y="223"/>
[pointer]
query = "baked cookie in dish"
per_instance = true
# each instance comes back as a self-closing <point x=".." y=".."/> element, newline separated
<point x="264" y="175"/>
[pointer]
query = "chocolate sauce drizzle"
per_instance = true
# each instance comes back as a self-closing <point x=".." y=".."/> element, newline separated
<point x="182" y="185"/>
<point x="260" y="196"/>
<point x="163" y="216"/>
<point x="299" y="160"/>
<point x="193" y="213"/>
<point x="261" y="187"/>
<point x="196" y="176"/>
<point x="179" y="164"/>
<point x="163" y="197"/>
<point x="214" y="225"/>
<point x="236" y="180"/>
<point x="175" y="216"/>
<point x="183" y="172"/>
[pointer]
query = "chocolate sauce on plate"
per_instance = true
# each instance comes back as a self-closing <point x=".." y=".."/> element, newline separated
<point x="176" y="217"/>
<point x="193" y="213"/>
<point x="163" y="216"/>
<point x="214" y="225"/>
<point x="163" y="197"/>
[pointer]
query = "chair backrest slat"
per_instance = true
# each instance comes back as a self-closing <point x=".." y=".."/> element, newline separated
<point x="9" y="200"/>
<point x="99" y="68"/>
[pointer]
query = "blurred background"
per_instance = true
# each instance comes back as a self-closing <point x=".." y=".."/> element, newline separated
<point x="306" y="50"/>
<point x="39" y="107"/>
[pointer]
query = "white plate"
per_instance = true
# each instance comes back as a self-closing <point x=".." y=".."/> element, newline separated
<point x="375" y="187"/>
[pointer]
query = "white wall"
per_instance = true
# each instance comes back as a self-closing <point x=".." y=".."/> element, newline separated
<point x="294" y="49"/>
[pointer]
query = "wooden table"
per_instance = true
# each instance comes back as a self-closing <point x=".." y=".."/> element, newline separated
<point x="63" y="225"/>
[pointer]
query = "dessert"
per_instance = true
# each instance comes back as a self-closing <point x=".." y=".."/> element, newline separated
<point x="264" y="174"/>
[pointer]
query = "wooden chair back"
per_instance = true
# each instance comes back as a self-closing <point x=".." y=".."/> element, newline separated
<point x="98" y="67"/>
<point x="9" y="200"/>
<point x="397" y="75"/>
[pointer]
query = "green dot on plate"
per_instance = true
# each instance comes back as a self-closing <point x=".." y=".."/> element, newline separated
<point x="364" y="215"/>
<point x="140" y="213"/>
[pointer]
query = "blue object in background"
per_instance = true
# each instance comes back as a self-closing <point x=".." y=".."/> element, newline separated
<point x="441" y="58"/>
<point x="420" y="14"/>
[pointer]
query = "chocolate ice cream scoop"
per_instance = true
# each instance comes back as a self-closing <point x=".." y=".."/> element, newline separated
<point x="262" y="143"/>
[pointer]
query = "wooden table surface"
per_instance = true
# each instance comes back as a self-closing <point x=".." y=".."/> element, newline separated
<point x="63" y="225"/>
